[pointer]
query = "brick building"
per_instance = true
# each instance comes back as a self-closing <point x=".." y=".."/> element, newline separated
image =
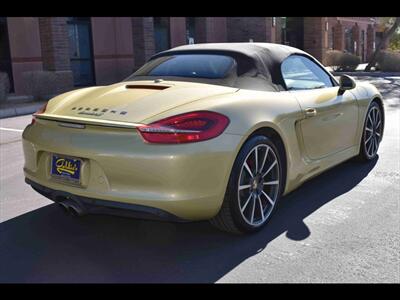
<point x="103" y="50"/>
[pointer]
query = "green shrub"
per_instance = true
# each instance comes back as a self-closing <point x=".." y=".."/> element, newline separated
<point x="388" y="61"/>
<point x="332" y="58"/>
<point x="340" y="61"/>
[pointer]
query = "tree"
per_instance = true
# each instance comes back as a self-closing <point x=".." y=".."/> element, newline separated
<point x="395" y="41"/>
<point x="386" y="35"/>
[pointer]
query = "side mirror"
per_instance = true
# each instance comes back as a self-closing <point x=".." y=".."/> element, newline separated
<point x="346" y="83"/>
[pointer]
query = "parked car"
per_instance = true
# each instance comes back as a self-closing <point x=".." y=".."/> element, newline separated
<point x="215" y="132"/>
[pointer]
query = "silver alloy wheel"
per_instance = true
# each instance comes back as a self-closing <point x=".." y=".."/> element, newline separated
<point x="373" y="131"/>
<point x="258" y="185"/>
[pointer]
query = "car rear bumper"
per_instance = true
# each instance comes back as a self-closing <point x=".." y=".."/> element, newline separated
<point x="187" y="180"/>
<point x="98" y="206"/>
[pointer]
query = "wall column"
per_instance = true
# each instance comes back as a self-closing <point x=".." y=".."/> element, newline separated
<point x="338" y="40"/>
<point x="25" y="48"/>
<point x="270" y="29"/>
<point x="370" y="41"/>
<point x="143" y="39"/>
<point x="216" y="30"/>
<point x="210" y="30"/>
<point x="112" y="48"/>
<point x="278" y="30"/>
<point x="258" y="29"/>
<point x="316" y="37"/>
<point x="177" y="31"/>
<point x="356" y="39"/>
<point x="54" y="43"/>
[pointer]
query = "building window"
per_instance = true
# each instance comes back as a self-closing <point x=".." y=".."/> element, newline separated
<point x="190" y="30"/>
<point x="5" y="57"/>
<point x="362" y="45"/>
<point x="161" y="34"/>
<point x="332" y="39"/>
<point x="293" y="32"/>
<point x="283" y="30"/>
<point x="80" y="50"/>
<point x="349" y="42"/>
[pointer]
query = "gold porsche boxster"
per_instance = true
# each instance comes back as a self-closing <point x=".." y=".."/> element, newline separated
<point x="215" y="132"/>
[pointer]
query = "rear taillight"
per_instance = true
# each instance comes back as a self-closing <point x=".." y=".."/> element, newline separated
<point x="40" y="111"/>
<point x="185" y="128"/>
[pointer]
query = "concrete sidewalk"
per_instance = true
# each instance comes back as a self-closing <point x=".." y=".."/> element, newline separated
<point x="8" y="109"/>
<point x="19" y="105"/>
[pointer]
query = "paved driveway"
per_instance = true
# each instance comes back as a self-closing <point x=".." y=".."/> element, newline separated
<point x="343" y="226"/>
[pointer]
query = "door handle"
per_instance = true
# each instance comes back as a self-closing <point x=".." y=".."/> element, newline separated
<point x="311" y="112"/>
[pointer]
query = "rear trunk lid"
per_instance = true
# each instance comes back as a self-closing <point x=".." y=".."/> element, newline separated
<point x="127" y="103"/>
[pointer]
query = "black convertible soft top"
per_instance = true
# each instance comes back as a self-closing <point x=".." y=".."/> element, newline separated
<point x="266" y="57"/>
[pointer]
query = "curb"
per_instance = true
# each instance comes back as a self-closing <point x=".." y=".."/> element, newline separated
<point x="368" y="74"/>
<point x="20" y="111"/>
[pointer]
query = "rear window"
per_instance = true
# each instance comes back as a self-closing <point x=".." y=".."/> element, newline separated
<point x="212" y="66"/>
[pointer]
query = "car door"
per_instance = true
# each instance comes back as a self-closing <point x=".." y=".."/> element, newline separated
<point x="330" y="117"/>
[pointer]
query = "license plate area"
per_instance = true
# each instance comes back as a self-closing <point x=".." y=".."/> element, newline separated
<point x="67" y="169"/>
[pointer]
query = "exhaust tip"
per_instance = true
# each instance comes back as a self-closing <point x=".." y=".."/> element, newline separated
<point x="74" y="212"/>
<point x="64" y="206"/>
<point x="73" y="207"/>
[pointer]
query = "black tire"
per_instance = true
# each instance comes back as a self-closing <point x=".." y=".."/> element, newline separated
<point x="364" y="156"/>
<point x="230" y="218"/>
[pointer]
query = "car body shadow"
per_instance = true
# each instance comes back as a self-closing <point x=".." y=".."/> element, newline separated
<point x="48" y="245"/>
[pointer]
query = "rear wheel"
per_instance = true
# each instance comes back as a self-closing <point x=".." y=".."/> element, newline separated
<point x="372" y="133"/>
<point x="254" y="187"/>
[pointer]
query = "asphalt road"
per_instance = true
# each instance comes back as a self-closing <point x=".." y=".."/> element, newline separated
<point x="343" y="226"/>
